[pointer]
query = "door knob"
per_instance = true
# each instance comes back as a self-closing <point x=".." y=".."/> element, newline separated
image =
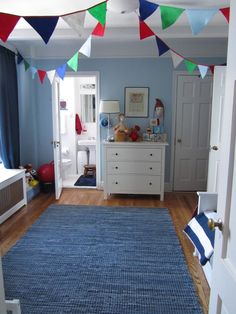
<point x="213" y="224"/>
<point x="214" y="147"/>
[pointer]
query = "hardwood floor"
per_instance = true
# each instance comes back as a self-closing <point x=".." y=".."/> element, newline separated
<point x="180" y="205"/>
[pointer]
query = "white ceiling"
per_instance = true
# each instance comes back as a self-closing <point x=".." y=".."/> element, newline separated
<point x="122" y="33"/>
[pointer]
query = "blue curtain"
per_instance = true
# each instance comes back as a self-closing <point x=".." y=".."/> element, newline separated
<point x="9" y="118"/>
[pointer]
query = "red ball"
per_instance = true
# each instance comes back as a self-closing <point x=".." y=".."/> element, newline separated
<point x="46" y="172"/>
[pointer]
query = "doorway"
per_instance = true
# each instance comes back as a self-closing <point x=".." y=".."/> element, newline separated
<point x="79" y="132"/>
<point x="192" y="130"/>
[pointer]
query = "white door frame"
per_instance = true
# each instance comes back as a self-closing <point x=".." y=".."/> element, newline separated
<point x="98" y="139"/>
<point x="56" y="137"/>
<point x="174" y="110"/>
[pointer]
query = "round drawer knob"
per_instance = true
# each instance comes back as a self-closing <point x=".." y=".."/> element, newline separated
<point x="150" y="183"/>
<point x="116" y="154"/>
<point x="150" y="154"/>
<point x="116" y="167"/>
<point x="116" y="182"/>
<point x="150" y="168"/>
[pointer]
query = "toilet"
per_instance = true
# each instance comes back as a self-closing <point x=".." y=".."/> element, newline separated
<point x="65" y="161"/>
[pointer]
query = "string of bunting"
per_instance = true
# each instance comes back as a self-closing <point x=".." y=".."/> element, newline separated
<point x="45" y="26"/>
<point x="145" y="32"/>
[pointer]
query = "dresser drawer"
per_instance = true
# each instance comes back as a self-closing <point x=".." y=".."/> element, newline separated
<point x="138" y="167"/>
<point x="133" y="154"/>
<point x="134" y="184"/>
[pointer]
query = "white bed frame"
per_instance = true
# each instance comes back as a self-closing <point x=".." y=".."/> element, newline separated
<point x="207" y="202"/>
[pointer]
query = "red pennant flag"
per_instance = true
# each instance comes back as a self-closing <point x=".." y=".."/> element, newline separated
<point x="41" y="74"/>
<point x="225" y="12"/>
<point x="99" y="30"/>
<point x="144" y="30"/>
<point x="212" y="68"/>
<point x="7" y="24"/>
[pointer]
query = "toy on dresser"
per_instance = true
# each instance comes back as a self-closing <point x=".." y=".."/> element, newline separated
<point x="120" y="130"/>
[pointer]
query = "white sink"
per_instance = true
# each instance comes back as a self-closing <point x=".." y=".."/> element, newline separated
<point x="87" y="143"/>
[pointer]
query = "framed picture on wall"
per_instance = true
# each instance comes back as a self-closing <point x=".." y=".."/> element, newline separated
<point x="136" y="101"/>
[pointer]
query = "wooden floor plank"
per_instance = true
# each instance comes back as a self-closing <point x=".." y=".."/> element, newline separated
<point x="180" y="205"/>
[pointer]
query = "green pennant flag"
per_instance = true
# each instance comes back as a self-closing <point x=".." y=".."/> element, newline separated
<point x="99" y="12"/>
<point x="27" y="65"/>
<point x="73" y="62"/>
<point x="190" y="66"/>
<point x="169" y="15"/>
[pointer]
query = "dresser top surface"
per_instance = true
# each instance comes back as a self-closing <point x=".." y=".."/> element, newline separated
<point x="135" y="144"/>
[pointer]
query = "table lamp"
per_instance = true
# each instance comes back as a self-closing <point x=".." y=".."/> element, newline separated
<point x="109" y="107"/>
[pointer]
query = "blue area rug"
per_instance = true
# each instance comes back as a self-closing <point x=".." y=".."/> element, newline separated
<point x="100" y="260"/>
<point x="86" y="181"/>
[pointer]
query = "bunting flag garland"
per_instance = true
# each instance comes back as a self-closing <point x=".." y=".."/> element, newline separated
<point x="162" y="47"/>
<point x="86" y="48"/>
<point x="190" y="66"/>
<point x="146" y="9"/>
<point x="99" y="30"/>
<point x="99" y="12"/>
<point x="203" y="70"/>
<point x="44" y="26"/>
<point x="226" y="13"/>
<point x="169" y="15"/>
<point x="76" y="22"/>
<point x="51" y="75"/>
<point x="33" y="71"/>
<point x="27" y="65"/>
<point x="7" y="24"/>
<point x="198" y="19"/>
<point x="73" y="62"/>
<point x="176" y="58"/>
<point x="41" y="74"/>
<point x="61" y="71"/>
<point x="144" y="30"/>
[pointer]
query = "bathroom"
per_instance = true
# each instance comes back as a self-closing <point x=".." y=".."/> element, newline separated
<point x="78" y="129"/>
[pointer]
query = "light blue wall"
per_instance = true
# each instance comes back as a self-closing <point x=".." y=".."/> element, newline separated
<point x="115" y="75"/>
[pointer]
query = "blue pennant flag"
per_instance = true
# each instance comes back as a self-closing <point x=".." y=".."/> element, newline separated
<point x="199" y="18"/>
<point x="19" y="58"/>
<point x="44" y="26"/>
<point x="162" y="47"/>
<point x="146" y="9"/>
<point x="61" y="71"/>
<point x="33" y="71"/>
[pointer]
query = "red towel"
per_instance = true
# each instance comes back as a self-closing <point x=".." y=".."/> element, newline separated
<point x="78" y="125"/>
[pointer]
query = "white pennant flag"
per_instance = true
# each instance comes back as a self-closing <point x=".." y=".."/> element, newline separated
<point x="86" y="48"/>
<point x="51" y="75"/>
<point x="203" y="70"/>
<point x="76" y="22"/>
<point x="177" y="59"/>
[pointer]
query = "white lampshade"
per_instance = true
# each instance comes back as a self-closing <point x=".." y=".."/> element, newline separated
<point x="109" y="106"/>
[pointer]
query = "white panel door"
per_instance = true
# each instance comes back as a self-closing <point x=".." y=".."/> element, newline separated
<point x="216" y="128"/>
<point x="223" y="290"/>
<point x="56" y="137"/>
<point x="3" y="309"/>
<point x="192" y="132"/>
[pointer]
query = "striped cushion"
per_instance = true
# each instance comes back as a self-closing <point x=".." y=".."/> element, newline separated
<point x="201" y="236"/>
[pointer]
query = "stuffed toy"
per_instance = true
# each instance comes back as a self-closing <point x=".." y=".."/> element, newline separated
<point x="134" y="133"/>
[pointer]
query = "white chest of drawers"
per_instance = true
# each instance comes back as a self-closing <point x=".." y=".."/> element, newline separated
<point x="134" y="168"/>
